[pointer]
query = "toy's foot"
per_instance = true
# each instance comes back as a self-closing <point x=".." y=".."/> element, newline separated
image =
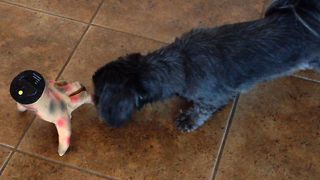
<point x="63" y="145"/>
<point x="21" y="108"/>
<point x="63" y="126"/>
<point x="62" y="150"/>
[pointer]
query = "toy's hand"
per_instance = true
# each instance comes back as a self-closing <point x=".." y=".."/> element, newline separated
<point x="21" y="108"/>
<point x="79" y="99"/>
<point x="63" y="126"/>
<point x="68" y="88"/>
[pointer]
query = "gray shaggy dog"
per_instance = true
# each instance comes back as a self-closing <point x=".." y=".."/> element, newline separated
<point x="210" y="66"/>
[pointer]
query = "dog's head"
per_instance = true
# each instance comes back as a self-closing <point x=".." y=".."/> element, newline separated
<point x="118" y="91"/>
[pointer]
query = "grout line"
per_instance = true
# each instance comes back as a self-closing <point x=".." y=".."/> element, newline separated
<point x="224" y="137"/>
<point x="80" y="40"/>
<point x="25" y="132"/>
<point x="306" y="78"/>
<point x="13" y="150"/>
<point x="75" y="20"/>
<point x="41" y="11"/>
<point x="72" y="53"/>
<point x="264" y="7"/>
<point x="100" y="26"/>
<point x="4" y="164"/>
<point x="6" y="146"/>
<point x="66" y="164"/>
<point x="139" y="36"/>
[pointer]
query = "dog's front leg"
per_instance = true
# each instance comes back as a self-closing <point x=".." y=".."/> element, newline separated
<point x="194" y="117"/>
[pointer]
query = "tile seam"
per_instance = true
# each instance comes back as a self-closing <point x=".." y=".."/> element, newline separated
<point x="78" y="21"/>
<point x="306" y="79"/>
<point x="80" y="40"/>
<point x="224" y="137"/>
<point x="49" y="160"/>
<point x="41" y="11"/>
<point x="5" y="163"/>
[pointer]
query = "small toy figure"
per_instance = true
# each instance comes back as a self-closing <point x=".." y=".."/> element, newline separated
<point x="51" y="101"/>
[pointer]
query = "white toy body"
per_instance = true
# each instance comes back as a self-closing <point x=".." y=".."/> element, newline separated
<point x="56" y="104"/>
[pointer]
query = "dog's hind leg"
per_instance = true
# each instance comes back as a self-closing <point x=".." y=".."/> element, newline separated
<point x="194" y="117"/>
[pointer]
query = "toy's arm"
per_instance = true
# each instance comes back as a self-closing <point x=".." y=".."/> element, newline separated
<point x="68" y="88"/>
<point x="63" y="126"/>
<point x="21" y="108"/>
<point x="79" y="99"/>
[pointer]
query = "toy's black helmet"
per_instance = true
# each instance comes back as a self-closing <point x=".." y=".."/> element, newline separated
<point x="27" y="87"/>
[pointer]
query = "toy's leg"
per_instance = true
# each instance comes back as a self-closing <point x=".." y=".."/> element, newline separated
<point x="70" y="88"/>
<point x="21" y="108"/>
<point x="63" y="126"/>
<point x="79" y="99"/>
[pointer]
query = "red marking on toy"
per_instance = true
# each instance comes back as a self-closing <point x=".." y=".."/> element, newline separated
<point x="51" y="81"/>
<point x="74" y="98"/>
<point x="68" y="140"/>
<point x="60" y="122"/>
<point x="56" y="95"/>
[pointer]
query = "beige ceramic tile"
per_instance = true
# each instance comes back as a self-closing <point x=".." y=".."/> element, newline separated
<point x="166" y="19"/>
<point x="4" y="153"/>
<point x="82" y="10"/>
<point x="27" y="167"/>
<point x="275" y="133"/>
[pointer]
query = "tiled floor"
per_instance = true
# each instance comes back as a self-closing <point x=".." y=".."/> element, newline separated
<point x="271" y="132"/>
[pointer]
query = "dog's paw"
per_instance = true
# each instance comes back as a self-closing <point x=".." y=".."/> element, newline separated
<point x="185" y="123"/>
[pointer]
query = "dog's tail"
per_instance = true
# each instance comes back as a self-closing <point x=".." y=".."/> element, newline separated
<point x="283" y="5"/>
<point x="305" y="11"/>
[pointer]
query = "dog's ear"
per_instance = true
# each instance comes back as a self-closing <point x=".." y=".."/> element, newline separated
<point x="118" y="108"/>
